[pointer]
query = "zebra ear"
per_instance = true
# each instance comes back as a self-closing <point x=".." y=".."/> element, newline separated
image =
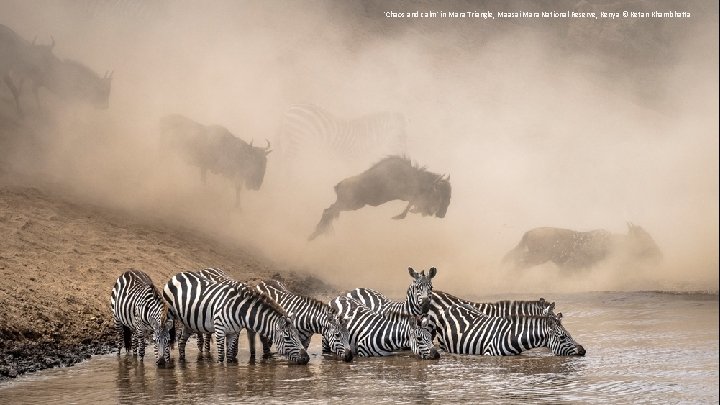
<point x="432" y="272"/>
<point x="559" y="315"/>
<point x="412" y="272"/>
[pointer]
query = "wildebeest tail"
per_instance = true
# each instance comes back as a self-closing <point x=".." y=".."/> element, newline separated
<point x="127" y="338"/>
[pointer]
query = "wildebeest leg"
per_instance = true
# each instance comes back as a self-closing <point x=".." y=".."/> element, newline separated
<point x="15" y="92"/>
<point x="203" y="175"/>
<point x="330" y="214"/>
<point x="404" y="213"/>
<point x="238" y="188"/>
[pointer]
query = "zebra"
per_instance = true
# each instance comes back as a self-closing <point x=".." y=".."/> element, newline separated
<point x="225" y="309"/>
<point x="311" y="316"/>
<point x="138" y="308"/>
<point x="381" y="334"/>
<point x="308" y="127"/>
<point x="417" y="301"/>
<point x="463" y="330"/>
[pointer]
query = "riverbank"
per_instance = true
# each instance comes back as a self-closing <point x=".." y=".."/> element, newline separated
<point x="59" y="260"/>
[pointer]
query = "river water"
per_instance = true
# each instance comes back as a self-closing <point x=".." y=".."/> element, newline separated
<point x="642" y="347"/>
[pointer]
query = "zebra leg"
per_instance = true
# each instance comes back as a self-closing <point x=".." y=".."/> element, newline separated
<point x="200" y="342"/>
<point x="232" y="347"/>
<point x="267" y="344"/>
<point x="220" y="343"/>
<point x="404" y="213"/>
<point x="208" y="337"/>
<point x="184" y="336"/>
<point x="121" y="336"/>
<point x="251" y="343"/>
<point x="330" y="214"/>
<point x="141" y="344"/>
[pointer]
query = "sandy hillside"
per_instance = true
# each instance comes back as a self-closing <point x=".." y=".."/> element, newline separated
<point x="59" y="261"/>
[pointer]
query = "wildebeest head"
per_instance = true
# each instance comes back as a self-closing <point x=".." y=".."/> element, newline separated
<point x="640" y="244"/>
<point x="436" y="198"/>
<point x="255" y="162"/>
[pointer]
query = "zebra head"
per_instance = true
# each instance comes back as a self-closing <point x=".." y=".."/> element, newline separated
<point x="163" y="326"/>
<point x="421" y="338"/>
<point x="559" y="340"/>
<point x="420" y="291"/>
<point x="287" y="340"/>
<point x="336" y="334"/>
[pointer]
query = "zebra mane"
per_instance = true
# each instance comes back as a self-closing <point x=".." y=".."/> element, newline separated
<point x="262" y="298"/>
<point x="310" y="300"/>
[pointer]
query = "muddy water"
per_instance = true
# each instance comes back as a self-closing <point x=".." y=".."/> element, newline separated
<point x="642" y="348"/>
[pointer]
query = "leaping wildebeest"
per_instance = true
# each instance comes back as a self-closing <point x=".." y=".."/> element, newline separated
<point x="570" y="249"/>
<point x="214" y="148"/>
<point x="392" y="178"/>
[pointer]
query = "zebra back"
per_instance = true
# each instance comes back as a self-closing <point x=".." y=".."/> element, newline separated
<point x="311" y="316"/>
<point x="504" y="308"/>
<point x="381" y="334"/>
<point x="138" y="307"/>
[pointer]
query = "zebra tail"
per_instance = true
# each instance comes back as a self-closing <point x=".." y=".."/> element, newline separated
<point x="173" y="337"/>
<point x="127" y="338"/>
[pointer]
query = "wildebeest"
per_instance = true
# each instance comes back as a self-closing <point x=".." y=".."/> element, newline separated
<point x="570" y="249"/>
<point x="392" y="178"/>
<point x="214" y="148"/>
<point x="22" y="61"/>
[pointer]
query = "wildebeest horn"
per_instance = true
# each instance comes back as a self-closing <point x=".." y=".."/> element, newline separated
<point x="52" y="44"/>
<point x="268" y="142"/>
<point x="251" y="141"/>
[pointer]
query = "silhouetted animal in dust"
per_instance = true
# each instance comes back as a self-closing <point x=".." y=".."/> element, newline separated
<point x="574" y="250"/>
<point x="392" y="178"/>
<point x="214" y="148"/>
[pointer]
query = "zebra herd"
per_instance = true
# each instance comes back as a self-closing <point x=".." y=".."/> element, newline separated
<point x="361" y="322"/>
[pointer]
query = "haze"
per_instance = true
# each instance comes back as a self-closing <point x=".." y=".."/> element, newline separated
<point x="567" y="123"/>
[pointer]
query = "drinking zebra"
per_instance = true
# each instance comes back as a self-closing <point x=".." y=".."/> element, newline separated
<point x="225" y="309"/>
<point x="311" y="316"/>
<point x="463" y="330"/>
<point x="307" y="128"/>
<point x="376" y="334"/>
<point x="138" y="308"/>
<point x="417" y="301"/>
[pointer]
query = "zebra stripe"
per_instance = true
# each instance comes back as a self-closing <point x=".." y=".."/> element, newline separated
<point x="311" y="316"/>
<point x="138" y="308"/>
<point x="224" y="309"/>
<point x="463" y="330"/>
<point x="442" y="300"/>
<point x="417" y="299"/>
<point x="375" y="334"/>
<point x="306" y="127"/>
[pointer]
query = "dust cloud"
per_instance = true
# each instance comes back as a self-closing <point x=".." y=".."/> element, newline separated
<point x="566" y="123"/>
